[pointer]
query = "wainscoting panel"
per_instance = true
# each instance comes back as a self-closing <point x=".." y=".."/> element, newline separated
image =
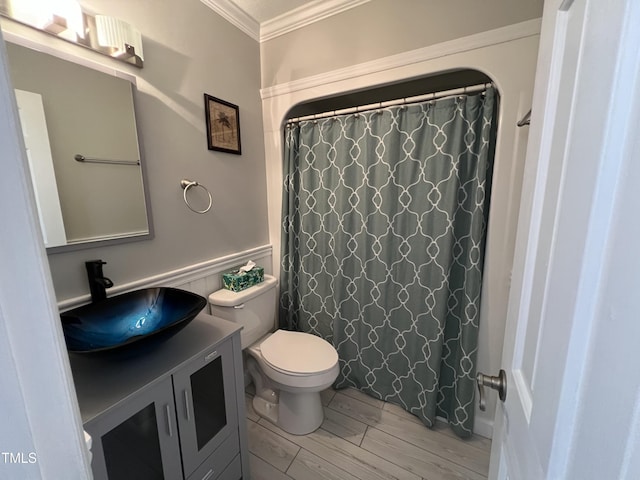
<point x="201" y="278"/>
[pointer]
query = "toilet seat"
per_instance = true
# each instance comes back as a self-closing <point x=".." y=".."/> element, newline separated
<point x="298" y="354"/>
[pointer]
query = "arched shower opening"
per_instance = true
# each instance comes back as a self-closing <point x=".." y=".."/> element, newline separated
<point x="384" y="225"/>
<point x="509" y="59"/>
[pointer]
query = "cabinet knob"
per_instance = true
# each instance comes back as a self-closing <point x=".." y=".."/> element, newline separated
<point x="186" y="405"/>
<point x="208" y="475"/>
<point x="211" y="356"/>
<point x="169" y="427"/>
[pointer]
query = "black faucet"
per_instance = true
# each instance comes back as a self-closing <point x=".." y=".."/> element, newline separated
<point x="98" y="283"/>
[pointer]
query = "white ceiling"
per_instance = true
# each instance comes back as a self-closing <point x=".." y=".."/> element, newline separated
<point x="263" y="10"/>
<point x="266" y="19"/>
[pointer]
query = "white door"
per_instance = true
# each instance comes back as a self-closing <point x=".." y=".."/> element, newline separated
<point x="36" y="141"/>
<point x="573" y="328"/>
<point x="39" y="412"/>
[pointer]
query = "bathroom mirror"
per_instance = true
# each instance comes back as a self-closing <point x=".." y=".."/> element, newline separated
<point x="70" y="112"/>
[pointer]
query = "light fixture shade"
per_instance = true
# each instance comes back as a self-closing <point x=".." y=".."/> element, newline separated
<point x="60" y="17"/>
<point x="117" y="34"/>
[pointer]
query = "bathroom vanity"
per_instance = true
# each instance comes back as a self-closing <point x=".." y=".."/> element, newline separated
<point x="168" y="408"/>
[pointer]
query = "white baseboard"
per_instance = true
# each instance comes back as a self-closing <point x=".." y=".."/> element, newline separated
<point x="204" y="274"/>
<point x="483" y="427"/>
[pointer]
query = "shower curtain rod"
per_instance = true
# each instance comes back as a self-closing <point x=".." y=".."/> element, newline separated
<point x="389" y="103"/>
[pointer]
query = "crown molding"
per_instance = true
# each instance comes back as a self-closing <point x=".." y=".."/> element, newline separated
<point x="285" y="23"/>
<point x="236" y="16"/>
<point x="304" y="15"/>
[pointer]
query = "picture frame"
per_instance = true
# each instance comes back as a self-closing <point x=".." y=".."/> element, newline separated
<point x="223" y="125"/>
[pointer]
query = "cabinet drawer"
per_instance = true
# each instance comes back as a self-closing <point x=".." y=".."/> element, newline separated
<point x="218" y="460"/>
<point x="233" y="471"/>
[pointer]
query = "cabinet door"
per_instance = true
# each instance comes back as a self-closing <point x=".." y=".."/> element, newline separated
<point x="138" y="440"/>
<point x="205" y="404"/>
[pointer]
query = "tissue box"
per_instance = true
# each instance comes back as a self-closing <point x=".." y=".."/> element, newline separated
<point x="236" y="280"/>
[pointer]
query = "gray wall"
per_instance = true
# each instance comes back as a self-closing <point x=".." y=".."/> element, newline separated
<point x="381" y="28"/>
<point x="188" y="50"/>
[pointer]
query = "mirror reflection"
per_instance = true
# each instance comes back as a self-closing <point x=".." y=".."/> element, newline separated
<point x="70" y="111"/>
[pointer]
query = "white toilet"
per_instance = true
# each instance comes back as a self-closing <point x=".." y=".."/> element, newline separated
<point x="288" y="369"/>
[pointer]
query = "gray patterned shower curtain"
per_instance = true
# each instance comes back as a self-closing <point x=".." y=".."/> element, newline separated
<point x="383" y="233"/>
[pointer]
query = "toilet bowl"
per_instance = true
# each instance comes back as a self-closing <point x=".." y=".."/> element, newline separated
<point x="292" y="368"/>
<point x="288" y="369"/>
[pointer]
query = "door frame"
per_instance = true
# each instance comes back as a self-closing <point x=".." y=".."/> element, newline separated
<point x="38" y="393"/>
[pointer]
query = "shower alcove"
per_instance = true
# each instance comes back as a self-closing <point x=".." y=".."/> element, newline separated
<point x="510" y="66"/>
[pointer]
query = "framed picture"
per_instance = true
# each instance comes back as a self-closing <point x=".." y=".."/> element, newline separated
<point x="223" y="125"/>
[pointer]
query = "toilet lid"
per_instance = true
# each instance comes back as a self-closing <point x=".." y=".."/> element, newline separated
<point x="298" y="353"/>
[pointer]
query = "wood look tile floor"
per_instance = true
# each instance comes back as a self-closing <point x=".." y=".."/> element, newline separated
<point x="363" y="438"/>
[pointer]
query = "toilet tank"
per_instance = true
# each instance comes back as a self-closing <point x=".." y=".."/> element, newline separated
<point x="253" y="308"/>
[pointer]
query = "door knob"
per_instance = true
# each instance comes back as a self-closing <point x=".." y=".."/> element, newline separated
<point x="498" y="383"/>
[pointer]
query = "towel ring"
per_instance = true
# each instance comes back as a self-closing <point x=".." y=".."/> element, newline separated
<point x="186" y="185"/>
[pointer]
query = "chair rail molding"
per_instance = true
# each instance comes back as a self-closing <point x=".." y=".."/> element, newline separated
<point x="180" y="277"/>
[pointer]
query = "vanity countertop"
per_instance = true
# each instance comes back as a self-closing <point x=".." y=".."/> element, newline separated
<point x="105" y="379"/>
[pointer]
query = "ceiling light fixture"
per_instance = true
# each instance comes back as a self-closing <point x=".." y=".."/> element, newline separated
<point x="59" y="17"/>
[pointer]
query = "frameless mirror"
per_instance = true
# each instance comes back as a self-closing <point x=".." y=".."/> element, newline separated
<point x="82" y="145"/>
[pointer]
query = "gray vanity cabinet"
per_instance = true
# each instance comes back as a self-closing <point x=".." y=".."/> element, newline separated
<point x="206" y="406"/>
<point x="169" y="410"/>
<point x="138" y="440"/>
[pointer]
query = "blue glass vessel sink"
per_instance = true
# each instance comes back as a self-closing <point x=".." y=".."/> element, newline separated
<point x="124" y="319"/>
